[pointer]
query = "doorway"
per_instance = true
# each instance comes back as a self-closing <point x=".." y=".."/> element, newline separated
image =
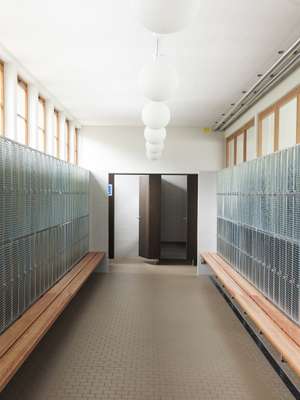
<point x="173" y="241"/>
<point x="154" y="216"/>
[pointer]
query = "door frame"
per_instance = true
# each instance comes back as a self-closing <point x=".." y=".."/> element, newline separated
<point x="192" y="227"/>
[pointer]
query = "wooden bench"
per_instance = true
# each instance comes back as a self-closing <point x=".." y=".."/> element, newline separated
<point x="276" y="327"/>
<point x="20" y="339"/>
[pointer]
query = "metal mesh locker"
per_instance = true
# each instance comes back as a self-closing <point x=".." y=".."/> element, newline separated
<point x="43" y="224"/>
<point x="259" y="225"/>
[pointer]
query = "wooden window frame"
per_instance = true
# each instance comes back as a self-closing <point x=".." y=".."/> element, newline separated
<point x="43" y="101"/>
<point x="76" y="146"/>
<point x="22" y="83"/>
<point x="242" y="131"/>
<point x="2" y="99"/>
<point x="275" y="108"/>
<point x="57" y="136"/>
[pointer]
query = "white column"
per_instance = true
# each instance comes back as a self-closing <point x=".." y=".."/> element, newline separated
<point x="33" y="98"/>
<point x="72" y="141"/>
<point x="10" y="103"/>
<point x="62" y="136"/>
<point x="49" y="127"/>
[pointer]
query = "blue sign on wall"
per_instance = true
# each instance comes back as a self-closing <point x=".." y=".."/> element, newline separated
<point x="109" y="190"/>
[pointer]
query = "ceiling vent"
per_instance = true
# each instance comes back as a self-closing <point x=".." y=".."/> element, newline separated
<point x="289" y="61"/>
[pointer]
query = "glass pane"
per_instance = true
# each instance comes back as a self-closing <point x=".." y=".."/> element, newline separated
<point x="55" y="134"/>
<point x="1" y="85"/>
<point x="55" y="147"/>
<point x="72" y="146"/>
<point x="41" y="114"/>
<point x="268" y="127"/>
<point x="288" y="124"/>
<point x="33" y="139"/>
<point x="41" y="141"/>
<point x="21" y="101"/>
<point x="251" y="144"/>
<point x="21" y="130"/>
<point x="67" y="138"/>
<point x="1" y="121"/>
<point x="231" y="153"/>
<point x="240" y="149"/>
<point x="62" y="143"/>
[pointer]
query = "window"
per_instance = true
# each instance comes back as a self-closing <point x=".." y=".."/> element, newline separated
<point x="41" y="141"/>
<point x="267" y="132"/>
<point x="62" y="137"/>
<point x="76" y="146"/>
<point x="1" y="99"/>
<point x="56" y="134"/>
<point x="67" y="141"/>
<point x="72" y="145"/>
<point x="279" y="125"/>
<point x="250" y="144"/>
<point x="230" y="152"/>
<point x="287" y="124"/>
<point x="238" y="148"/>
<point x="22" y="112"/>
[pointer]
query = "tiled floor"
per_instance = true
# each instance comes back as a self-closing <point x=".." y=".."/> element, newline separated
<point x="146" y="332"/>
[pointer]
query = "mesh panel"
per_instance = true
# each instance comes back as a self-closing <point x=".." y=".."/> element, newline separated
<point x="43" y="225"/>
<point x="259" y="225"/>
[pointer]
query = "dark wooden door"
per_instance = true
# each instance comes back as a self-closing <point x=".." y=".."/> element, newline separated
<point x="149" y="218"/>
<point x="192" y="218"/>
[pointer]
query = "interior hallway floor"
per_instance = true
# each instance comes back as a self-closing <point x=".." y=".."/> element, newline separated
<point x="147" y="332"/>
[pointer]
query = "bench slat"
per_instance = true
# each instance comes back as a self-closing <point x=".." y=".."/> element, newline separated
<point x="12" y="334"/>
<point x="15" y="356"/>
<point x="281" y="320"/>
<point x="279" y="339"/>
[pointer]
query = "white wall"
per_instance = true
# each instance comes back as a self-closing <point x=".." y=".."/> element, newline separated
<point x="121" y="149"/>
<point x="126" y="215"/>
<point x="173" y="208"/>
<point x="207" y="212"/>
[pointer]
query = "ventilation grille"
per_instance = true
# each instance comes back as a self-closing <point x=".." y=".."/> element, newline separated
<point x="259" y="225"/>
<point x="282" y="68"/>
<point x="43" y="225"/>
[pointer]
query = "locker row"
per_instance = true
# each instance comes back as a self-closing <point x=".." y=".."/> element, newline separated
<point x="275" y="173"/>
<point x="271" y="263"/>
<point x="275" y="214"/>
<point x="26" y="170"/>
<point x="24" y="214"/>
<point x="31" y="265"/>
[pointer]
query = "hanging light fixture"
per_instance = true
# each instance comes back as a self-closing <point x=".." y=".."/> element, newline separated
<point x="165" y="16"/>
<point x="153" y="156"/>
<point x="154" y="148"/>
<point x="158" y="80"/>
<point x="156" y="115"/>
<point x="155" y="136"/>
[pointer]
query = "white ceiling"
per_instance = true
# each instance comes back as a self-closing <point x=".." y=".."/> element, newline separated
<point x="88" y="54"/>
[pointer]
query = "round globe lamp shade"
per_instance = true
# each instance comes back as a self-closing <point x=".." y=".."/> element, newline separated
<point x="165" y="16"/>
<point x="158" y="80"/>
<point x="155" y="136"/>
<point x="156" y="115"/>
<point x="153" y="156"/>
<point x="154" y="148"/>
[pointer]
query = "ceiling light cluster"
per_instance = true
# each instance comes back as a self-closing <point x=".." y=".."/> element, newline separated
<point x="158" y="80"/>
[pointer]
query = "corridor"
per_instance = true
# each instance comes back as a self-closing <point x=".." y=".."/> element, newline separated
<point x="146" y="332"/>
